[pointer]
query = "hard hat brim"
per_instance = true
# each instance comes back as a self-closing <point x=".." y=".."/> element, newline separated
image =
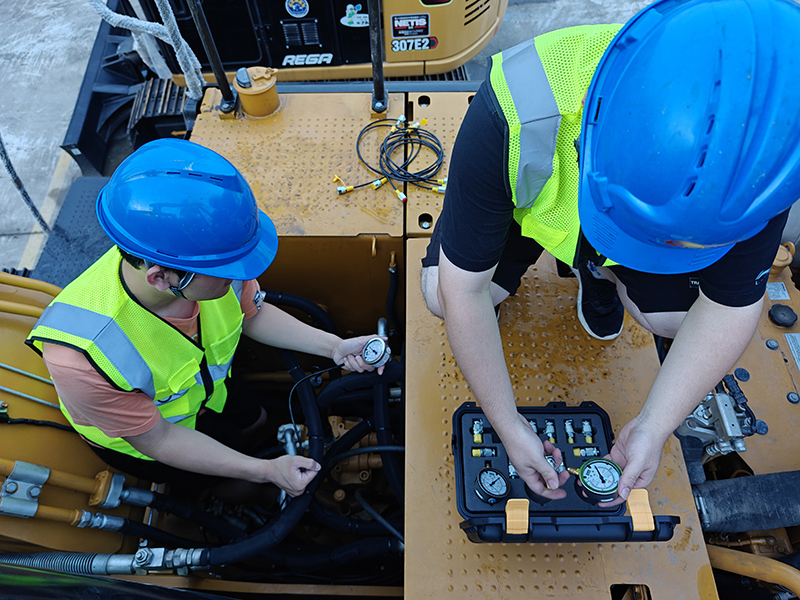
<point x="649" y="257"/>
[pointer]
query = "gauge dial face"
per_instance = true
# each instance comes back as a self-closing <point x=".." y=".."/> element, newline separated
<point x="492" y="485"/>
<point x="600" y="476"/>
<point x="373" y="351"/>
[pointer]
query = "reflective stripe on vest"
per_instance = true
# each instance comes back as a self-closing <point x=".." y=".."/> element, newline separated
<point x="128" y="345"/>
<point x="539" y="85"/>
<point x="523" y="92"/>
<point x="107" y="336"/>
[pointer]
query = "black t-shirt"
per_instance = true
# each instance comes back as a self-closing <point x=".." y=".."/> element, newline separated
<point x="478" y="210"/>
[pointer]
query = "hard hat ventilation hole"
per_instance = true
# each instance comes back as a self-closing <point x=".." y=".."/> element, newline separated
<point x="597" y="110"/>
<point x="701" y="159"/>
<point x="710" y="124"/>
<point x="690" y="187"/>
<point x="195" y="174"/>
<point x="215" y="178"/>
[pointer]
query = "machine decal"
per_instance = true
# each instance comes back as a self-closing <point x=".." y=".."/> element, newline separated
<point x="406" y="26"/>
<point x="428" y="43"/>
<point x="793" y="339"/>
<point x="353" y="17"/>
<point x="297" y="8"/>
<point x="776" y="290"/>
<point x="299" y="60"/>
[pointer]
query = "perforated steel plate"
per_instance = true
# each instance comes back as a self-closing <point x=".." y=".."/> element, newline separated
<point x="550" y="358"/>
<point x="290" y="159"/>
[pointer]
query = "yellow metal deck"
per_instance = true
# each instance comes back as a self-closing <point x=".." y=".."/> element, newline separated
<point x="550" y="358"/>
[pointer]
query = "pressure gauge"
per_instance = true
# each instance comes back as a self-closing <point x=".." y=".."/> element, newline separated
<point x="491" y="485"/>
<point x="376" y="352"/>
<point x="597" y="480"/>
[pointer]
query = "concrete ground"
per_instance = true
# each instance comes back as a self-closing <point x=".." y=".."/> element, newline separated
<point x="44" y="48"/>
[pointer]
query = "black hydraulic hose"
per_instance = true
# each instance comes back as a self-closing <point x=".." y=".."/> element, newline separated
<point x="377" y="516"/>
<point x="228" y="531"/>
<point x="391" y="466"/>
<point x="272" y="534"/>
<point x="753" y="503"/>
<point x="350" y="524"/>
<point x="393" y="371"/>
<point x="390" y="307"/>
<point x="307" y="558"/>
<point x="154" y="534"/>
<point x="319" y="317"/>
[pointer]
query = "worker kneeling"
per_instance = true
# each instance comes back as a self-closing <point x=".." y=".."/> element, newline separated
<point x="140" y="345"/>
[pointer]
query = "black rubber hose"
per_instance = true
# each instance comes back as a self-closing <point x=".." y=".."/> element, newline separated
<point x="753" y="503"/>
<point x="311" y="558"/>
<point x="391" y="465"/>
<point x="272" y="534"/>
<point x="157" y="535"/>
<point x="228" y="531"/>
<point x="313" y="310"/>
<point x="393" y="372"/>
<point x="390" y="308"/>
<point x="350" y="524"/>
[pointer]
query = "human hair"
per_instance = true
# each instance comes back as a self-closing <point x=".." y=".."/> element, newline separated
<point x="132" y="260"/>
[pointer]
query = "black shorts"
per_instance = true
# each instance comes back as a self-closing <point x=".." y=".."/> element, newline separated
<point x="519" y="253"/>
<point x="240" y="412"/>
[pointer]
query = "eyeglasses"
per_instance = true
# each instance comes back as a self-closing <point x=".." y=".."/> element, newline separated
<point x="185" y="280"/>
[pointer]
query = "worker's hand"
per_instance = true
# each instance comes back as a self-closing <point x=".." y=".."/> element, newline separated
<point x="347" y="353"/>
<point x="638" y="452"/>
<point x="527" y="453"/>
<point x="293" y="473"/>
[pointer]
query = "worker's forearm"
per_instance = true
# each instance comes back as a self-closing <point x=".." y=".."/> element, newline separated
<point x="475" y="340"/>
<point x="709" y="342"/>
<point x="274" y="327"/>
<point x="194" y="451"/>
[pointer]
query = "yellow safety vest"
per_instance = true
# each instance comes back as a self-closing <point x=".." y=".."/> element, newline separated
<point x="539" y="86"/>
<point x="135" y="349"/>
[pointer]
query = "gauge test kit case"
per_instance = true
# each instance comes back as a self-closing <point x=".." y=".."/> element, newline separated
<point x="488" y="518"/>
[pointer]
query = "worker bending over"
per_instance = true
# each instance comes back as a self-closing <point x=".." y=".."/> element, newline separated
<point x="665" y="186"/>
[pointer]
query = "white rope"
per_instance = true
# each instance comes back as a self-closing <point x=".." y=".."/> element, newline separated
<point x="167" y="33"/>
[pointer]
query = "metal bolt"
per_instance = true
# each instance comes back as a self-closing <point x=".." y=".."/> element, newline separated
<point x="141" y="557"/>
<point x="691" y="423"/>
<point x="11" y="487"/>
<point x="793" y="397"/>
<point x="761" y="428"/>
<point x="425" y="224"/>
<point x="3" y="405"/>
<point x="772" y="344"/>
<point x="34" y="492"/>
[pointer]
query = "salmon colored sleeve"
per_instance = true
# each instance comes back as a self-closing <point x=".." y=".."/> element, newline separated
<point x="93" y="401"/>
<point x="249" y="305"/>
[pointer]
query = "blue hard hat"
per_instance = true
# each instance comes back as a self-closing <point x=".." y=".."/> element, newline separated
<point x="181" y="205"/>
<point x="691" y="132"/>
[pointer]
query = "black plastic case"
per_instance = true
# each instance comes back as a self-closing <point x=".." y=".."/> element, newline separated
<point x="570" y="519"/>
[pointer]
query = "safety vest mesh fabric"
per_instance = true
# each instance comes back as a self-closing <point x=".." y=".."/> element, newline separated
<point x="569" y="58"/>
<point x="136" y="350"/>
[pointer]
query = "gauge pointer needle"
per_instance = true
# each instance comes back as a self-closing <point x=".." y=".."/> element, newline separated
<point x="599" y="474"/>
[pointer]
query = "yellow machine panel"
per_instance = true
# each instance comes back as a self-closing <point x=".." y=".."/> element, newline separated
<point x="550" y="358"/>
